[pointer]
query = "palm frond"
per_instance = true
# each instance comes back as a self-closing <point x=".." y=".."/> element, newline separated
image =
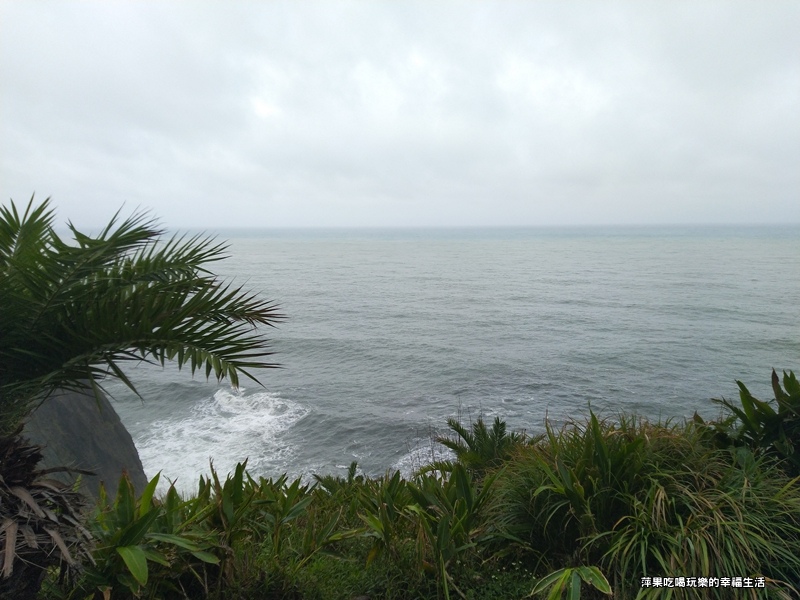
<point x="74" y="313"/>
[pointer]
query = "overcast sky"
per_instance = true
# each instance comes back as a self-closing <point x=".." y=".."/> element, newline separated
<point x="273" y="114"/>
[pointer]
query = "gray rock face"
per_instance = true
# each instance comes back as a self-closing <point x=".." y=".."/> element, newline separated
<point x="75" y="430"/>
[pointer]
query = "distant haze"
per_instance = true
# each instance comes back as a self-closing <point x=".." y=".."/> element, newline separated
<point x="317" y="114"/>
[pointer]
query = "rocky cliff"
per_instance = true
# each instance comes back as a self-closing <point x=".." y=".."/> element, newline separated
<point x="80" y="431"/>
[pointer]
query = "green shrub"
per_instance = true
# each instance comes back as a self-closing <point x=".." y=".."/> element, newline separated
<point x="480" y="449"/>
<point x="574" y="482"/>
<point x="449" y="516"/>
<point x="726" y="513"/>
<point x="383" y="502"/>
<point x="772" y="427"/>
<point x="641" y="499"/>
<point x="145" y="546"/>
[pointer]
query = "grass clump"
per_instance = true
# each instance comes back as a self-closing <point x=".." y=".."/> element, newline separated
<point x="641" y="499"/>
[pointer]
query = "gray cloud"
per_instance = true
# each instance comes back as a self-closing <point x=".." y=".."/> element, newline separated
<point x="314" y="114"/>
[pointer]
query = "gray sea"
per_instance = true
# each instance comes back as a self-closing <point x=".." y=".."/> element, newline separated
<point x="390" y="332"/>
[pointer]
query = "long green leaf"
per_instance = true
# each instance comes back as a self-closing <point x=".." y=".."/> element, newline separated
<point x="206" y="557"/>
<point x="574" y="586"/>
<point x="134" y="532"/>
<point x="175" y="540"/>
<point x="146" y="499"/>
<point x="594" y="577"/>
<point x="136" y="561"/>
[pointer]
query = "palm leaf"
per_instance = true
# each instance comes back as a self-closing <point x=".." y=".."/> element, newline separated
<point x="74" y="314"/>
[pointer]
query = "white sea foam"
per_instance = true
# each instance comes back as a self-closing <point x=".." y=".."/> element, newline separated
<point x="226" y="428"/>
<point x="423" y="454"/>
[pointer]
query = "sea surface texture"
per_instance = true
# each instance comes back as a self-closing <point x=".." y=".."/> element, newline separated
<point x="389" y="333"/>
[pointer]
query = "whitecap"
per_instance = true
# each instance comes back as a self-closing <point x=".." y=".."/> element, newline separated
<point x="226" y="428"/>
<point x="424" y="453"/>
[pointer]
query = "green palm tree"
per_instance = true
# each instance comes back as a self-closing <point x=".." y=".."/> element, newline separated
<point x="73" y="314"/>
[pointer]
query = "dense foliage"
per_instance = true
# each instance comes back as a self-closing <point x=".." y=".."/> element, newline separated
<point x="765" y="427"/>
<point x="585" y="509"/>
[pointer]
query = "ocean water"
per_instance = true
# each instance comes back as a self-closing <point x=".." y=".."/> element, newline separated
<point x="391" y="332"/>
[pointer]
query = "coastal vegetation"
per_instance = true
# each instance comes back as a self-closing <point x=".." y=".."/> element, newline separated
<point x="624" y="505"/>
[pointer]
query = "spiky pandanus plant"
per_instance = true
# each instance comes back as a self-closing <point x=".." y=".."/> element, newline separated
<point x="40" y="523"/>
<point x="480" y="449"/>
